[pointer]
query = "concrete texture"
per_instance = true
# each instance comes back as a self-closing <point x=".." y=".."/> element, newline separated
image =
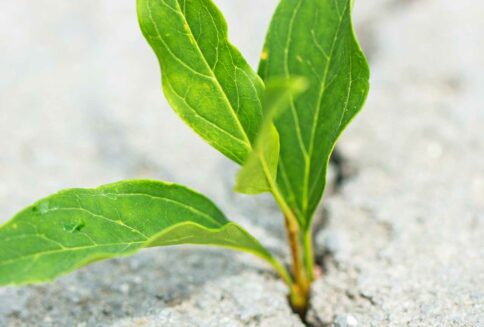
<point x="80" y="105"/>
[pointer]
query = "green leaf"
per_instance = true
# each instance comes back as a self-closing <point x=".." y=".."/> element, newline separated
<point x="75" y="227"/>
<point x="259" y="172"/>
<point x="313" y="39"/>
<point x="260" y="169"/>
<point x="205" y="78"/>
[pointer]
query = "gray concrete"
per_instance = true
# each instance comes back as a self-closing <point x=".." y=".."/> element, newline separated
<point x="80" y="105"/>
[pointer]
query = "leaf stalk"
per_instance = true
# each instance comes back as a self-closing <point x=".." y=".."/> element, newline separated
<point x="282" y="271"/>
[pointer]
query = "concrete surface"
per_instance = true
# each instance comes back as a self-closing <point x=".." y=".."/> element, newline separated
<point x="80" y="105"/>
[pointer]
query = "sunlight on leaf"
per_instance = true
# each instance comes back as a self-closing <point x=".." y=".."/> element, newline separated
<point x="205" y="78"/>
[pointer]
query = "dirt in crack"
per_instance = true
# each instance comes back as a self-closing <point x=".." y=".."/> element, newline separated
<point x="344" y="171"/>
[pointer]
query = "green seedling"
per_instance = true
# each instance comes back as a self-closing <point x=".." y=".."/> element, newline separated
<point x="280" y="125"/>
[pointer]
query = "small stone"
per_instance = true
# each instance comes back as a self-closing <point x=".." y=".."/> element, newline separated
<point x="124" y="288"/>
<point x="345" y="321"/>
<point x="137" y="280"/>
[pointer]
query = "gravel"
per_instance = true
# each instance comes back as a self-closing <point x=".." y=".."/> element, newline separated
<point x="80" y="105"/>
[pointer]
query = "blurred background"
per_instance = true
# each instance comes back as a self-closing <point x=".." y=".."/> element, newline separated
<point x="81" y="105"/>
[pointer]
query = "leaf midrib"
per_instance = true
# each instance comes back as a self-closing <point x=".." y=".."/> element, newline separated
<point x="127" y="244"/>
<point x="293" y="109"/>
<point x="147" y="242"/>
<point x="322" y="90"/>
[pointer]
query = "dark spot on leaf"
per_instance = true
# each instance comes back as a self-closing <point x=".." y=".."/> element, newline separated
<point x="74" y="227"/>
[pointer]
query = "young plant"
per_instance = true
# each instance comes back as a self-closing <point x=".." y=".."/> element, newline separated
<point x="280" y="125"/>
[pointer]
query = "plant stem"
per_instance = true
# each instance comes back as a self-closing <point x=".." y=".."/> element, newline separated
<point x="293" y="238"/>
<point x="300" y="291"/>
<point x="300" y="288"/>
<point x="309" y="254"/>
